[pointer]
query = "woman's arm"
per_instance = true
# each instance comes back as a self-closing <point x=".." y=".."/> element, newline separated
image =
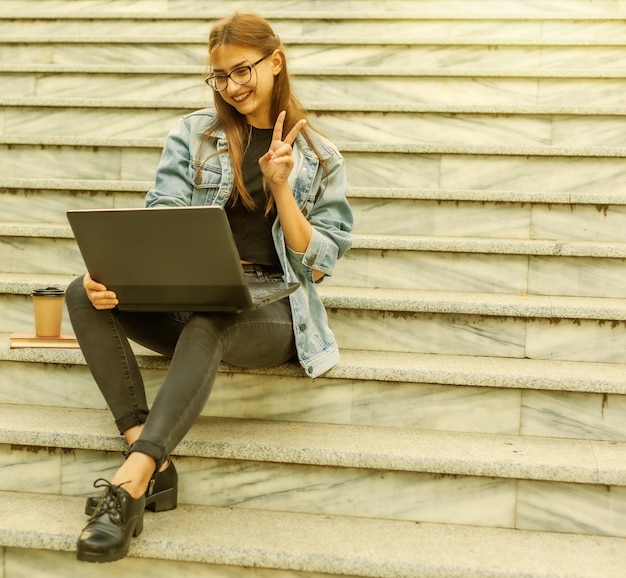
<point x="276" y="166"/>
<point x="172" y="187"/>
<point x="323" y="235"/>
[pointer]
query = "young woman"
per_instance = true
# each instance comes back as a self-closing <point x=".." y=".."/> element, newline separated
<point x="283" y="187"/>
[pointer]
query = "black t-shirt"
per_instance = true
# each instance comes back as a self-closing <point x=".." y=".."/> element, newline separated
<point x="252" y="229"/>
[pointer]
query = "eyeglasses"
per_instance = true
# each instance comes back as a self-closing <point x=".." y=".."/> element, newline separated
<point x="241" y="75"/>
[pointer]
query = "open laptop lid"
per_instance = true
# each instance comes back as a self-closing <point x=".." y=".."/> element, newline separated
<point x="166" y="259"/>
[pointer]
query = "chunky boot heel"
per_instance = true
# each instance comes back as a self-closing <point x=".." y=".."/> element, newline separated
<point x="163" y="501"/>
<point x="162" y="492"/>
<point x="117" y="518"/>
<point x="161" y="495"/>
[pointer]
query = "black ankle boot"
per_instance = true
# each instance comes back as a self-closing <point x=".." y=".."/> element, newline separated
<point x="117" y="518"/>
<point x="161" y="495"/>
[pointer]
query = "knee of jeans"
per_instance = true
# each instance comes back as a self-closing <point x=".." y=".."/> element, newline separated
<point x="205" y="331"/>
<point x="75" y="290"/>
<point x="76" y="296"/>
<point x="212" y="324"/>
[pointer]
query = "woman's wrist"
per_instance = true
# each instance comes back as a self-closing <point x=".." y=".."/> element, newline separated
<point x="281" y="191"/>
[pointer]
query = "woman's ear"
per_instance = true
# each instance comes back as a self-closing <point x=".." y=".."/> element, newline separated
<point x="276" y="61"/>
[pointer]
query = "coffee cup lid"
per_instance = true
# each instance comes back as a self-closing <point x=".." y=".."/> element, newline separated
<point x="48" y="292"/>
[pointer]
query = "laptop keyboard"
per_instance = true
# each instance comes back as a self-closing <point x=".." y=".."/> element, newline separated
<point x="262" y="284"/>
<point x="259" y="292"/>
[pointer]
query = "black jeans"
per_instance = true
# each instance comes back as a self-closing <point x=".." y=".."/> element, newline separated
<point x="196" y="342"/>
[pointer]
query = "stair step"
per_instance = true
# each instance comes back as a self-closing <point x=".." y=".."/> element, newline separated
<point x="529" y="404"/>
<point x="48" y="200"/>
<point x="427" y="9"/>
<point x="387" y="242"/>
<point x="363" y="72"/>
<point x="406" y="265"/>
<point x="337" y="33"/>
<point x="312" y="489"/>
<point x="410" y="300"/>
<point x="451" y="57"/>
<point x="431" y="166"/>
<point x="532" y="227"/>
<point x="317" y="468"/>
<point x="491" y="328"/>
<point x="136" y="190"/>
<point x="520" y="88"/>
<point x="156" y="144"/>
<point x="485" y="304"/>
<point x="393" y="449"/>
<point x="510" y="246"/>
<point x="383" y="124"/>
<point x="585" y="223"/>
<point x="306" y="543"/>
<point x="398" y="367"/>
<point x="509" y="266"/>
<point x="315" y="106"/>
<point x="482" y="273"/>
<point x="410" y="320"/>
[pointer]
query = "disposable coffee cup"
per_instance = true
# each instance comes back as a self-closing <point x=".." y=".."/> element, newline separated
<point x="48" y="306"/>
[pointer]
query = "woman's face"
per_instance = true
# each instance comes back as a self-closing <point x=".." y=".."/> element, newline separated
<point x="254" y="98"/>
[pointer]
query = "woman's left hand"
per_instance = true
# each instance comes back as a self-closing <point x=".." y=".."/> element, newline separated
<point x="277" y="163"/>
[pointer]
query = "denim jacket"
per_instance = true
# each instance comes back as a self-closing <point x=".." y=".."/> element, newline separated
<point x="181" y="181"/>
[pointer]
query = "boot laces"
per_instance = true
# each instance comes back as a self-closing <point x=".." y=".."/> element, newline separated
<point x="111" y="501"/>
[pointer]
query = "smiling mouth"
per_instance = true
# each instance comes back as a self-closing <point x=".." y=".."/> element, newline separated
<point x="242" y="97"/>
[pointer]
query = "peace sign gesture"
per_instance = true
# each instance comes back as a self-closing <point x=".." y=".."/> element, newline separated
<point x="277" y="163"/>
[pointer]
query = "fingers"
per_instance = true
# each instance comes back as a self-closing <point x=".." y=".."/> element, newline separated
<point x="276" y="165"/>
<point x="278" y="162"/>
<point x="90" y="285"/>
<point x="97" y="293"/>
<point x="282" y="151"/>
<point x="278" y="127"/>
<point x="293" y="133"/>
<point x="103" y="299"/>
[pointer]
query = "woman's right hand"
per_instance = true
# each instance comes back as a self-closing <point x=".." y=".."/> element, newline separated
<point x="98" y="294"/>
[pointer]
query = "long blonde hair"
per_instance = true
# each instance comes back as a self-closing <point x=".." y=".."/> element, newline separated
<point x="250" y="31"/>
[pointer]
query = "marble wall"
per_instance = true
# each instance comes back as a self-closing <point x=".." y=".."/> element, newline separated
<point x="457" y="499"/>
<point x="560" y="414"/>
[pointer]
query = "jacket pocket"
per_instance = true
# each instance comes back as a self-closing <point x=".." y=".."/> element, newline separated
<point x="206" y="179"/>
<point x="205" y="175"/>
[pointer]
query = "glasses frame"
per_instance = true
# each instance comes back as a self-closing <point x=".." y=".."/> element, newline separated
<point x="213" y="79"/>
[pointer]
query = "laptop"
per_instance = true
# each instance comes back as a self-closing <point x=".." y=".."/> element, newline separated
<point x="170" y="259"/>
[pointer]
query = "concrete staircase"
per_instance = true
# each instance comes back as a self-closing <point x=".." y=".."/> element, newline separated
<point x="475" y="425"/>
